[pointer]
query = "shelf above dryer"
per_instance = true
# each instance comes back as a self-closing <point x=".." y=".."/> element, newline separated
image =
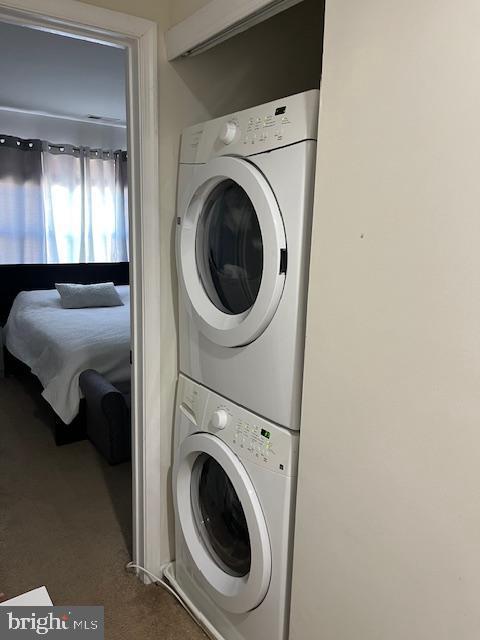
<point x="217" y="21"/>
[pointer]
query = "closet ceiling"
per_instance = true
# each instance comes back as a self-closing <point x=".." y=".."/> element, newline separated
<point x="43" y="72"/>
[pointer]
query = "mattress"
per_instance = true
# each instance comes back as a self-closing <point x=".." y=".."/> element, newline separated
<point x="58" y="344"/>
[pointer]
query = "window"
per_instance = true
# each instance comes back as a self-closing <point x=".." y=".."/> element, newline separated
<point x="61" y="204"/>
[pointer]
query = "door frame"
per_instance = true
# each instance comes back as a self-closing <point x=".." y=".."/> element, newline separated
<point x="139" y="38"/>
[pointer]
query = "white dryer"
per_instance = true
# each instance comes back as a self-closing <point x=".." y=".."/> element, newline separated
<point x="245" y="192"/>
<point x="234" y="482"/>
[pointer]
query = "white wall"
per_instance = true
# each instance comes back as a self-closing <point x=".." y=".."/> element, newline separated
<point x="388" y="521"/>
<point x="59" y="130"/>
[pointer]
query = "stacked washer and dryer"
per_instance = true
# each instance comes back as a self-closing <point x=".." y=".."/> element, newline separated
<point x="245" y="192"/>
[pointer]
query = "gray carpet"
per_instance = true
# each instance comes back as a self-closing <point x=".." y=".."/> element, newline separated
<point x="65" y="522"/>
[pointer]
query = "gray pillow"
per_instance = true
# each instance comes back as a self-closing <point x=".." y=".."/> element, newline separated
<point x="78" y="296"/>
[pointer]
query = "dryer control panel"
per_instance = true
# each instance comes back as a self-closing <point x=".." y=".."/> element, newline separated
<point x="248" y="435"/>
<point x="244" y="133"/>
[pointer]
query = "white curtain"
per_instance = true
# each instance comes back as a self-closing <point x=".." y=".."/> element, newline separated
<point x="21" y="204"/>
<point x="79" y="205"/>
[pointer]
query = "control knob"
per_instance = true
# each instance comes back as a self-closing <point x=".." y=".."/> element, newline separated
<point x="228" y="132"/>
<point x="219" y="419"/>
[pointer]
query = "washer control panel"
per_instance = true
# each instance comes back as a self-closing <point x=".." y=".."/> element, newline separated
<point x="269" y="126"/>
<point x="219" y="418"/>
<point x="257" y="440"/>
<point x="228" y="132"/>
<point x="248" y="435"/>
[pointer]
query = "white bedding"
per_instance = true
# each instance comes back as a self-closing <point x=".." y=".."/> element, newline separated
<point x="58" y="344"/>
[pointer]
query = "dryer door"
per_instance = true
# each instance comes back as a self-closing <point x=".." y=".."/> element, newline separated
<point x="231" y="251"/>
<point x="222" y="523"/>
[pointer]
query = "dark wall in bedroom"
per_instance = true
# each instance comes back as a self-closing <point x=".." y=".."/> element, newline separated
<point x="28" y="277"/>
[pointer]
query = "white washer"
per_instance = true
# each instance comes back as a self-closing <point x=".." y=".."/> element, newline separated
<point x="234" y="482"/>
<point x="245" y="192"/>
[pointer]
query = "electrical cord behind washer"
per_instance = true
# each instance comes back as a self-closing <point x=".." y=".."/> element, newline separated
<point x="162" y="583"/>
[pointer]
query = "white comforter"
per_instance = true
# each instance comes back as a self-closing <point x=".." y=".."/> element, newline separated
<point x="58" y="344"/>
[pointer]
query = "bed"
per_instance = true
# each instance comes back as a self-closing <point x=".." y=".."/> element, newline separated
<point x="16" y="278"/>
<point x="57" y="344"/>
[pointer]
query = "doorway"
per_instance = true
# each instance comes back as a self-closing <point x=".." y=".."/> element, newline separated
<point x="138" y="39"/>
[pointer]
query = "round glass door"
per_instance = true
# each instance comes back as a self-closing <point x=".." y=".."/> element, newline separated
<point x="219" y="517"/>
<point x="230" y="250"/>
<point x="222" y="523"/>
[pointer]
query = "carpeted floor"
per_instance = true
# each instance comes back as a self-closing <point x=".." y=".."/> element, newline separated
<point x="65" y="522"/>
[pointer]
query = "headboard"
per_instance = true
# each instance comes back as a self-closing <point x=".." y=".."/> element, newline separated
<point x="28" y="277"/>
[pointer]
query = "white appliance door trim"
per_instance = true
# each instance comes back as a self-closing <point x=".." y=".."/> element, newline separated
<point x="232" y="593"/>
<point x="224" y="329"/>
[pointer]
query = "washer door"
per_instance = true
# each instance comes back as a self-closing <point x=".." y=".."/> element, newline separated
<point x="231" y="251"/>
<point x="222" y="523"/>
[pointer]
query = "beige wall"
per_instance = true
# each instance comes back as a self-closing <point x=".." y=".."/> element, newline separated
<point x="156" y="10"/>
<point x="388" y="525"/>
<point x="181" y="9"/>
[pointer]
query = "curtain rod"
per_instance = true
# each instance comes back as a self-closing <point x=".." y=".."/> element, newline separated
<point x="62" y="147"/>
<point x="36" y="144"/>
